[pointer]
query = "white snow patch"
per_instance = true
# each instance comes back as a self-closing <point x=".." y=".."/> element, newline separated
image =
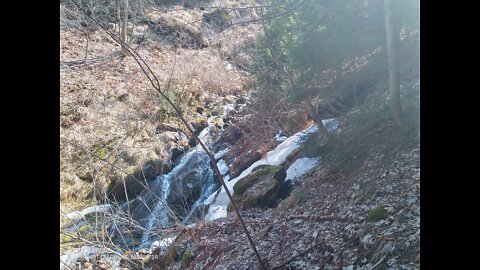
<point x="280" y="138"/>
<point x="210" y="198"/>
<point x="218" y="208"/>
<point x="300" y="167"/>
<point x="216" y="212"/>
<point x="71" y="257"/>
<point x="228" y="65"/>
<point x="77" y="215"/>
<point x="162" y="243"/>
<point x="330" y="124"/>
<point x="222" y="166"/>
<point x="221" y="153"/>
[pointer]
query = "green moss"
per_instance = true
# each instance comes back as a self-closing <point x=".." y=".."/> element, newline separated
<point x="264" y="194"/>
<point x="229" y="207"/>
<point x="377" y="214"/>
<point x="272" y="183"/>
<point x="186" y="259"/>
<point x="102" y="152"/>
<point x="66" y="239"/>
<point x="92" y="218"/>
<point x="252" y="200"/>
<point x="243" y="184"/>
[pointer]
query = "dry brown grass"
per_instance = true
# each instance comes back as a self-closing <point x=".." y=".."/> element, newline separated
<point x="109" y="110"/>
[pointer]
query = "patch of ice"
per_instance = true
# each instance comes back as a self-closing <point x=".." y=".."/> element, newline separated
<point x="228" y="65"/>
<point x="68" y="260"/>
<point x="210" y="198"/>
<point x="331" y="124"/>
<point x="222" y="166"/>
<point x="221" y="153"/>
<point x="216" y="212"/>
<point x="77" y="215"/>
<point x="300" y="167"/>
<point x="277" y="156"/>
<point x="162" y="243"/>
<point x="279" y="138"/>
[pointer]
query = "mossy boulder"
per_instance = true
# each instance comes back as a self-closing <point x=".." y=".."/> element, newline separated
<point x="134" y="182"/>
<point x="263" y="188"/>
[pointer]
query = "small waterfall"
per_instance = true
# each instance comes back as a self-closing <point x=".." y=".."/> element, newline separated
<point x="139" y="222"/>
<point x="193" y="178"/>
<point x="159" y="216"/>
<point x="195" y="161"/>
<point x="219" y="200"/>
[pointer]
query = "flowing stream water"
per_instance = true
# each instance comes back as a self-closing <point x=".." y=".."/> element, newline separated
<point x="190" y="183"/>
<point x="193" y="178"/>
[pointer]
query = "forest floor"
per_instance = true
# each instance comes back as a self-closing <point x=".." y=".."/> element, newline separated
<point x="109" y="110"/>
<point x="368" y="218"/>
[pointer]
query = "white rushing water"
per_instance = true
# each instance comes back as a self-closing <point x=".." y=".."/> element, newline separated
<point x="160" y="216"/>
<point x="222" y="166"/>
<point x="219" y="200"/>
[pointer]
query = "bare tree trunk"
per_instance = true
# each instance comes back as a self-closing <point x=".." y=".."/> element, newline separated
<point x="119" y="18"/>
<point x="123" y="36"/>
<point x="394" y="84"/>
<point x="316" y="118"/>
<point x="156" y="85"/>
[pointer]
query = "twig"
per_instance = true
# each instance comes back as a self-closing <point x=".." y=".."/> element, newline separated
<point x="66" y="265"/>
<point x="106" y="248"/>
<point x="171" y="213"/>
<point x="379" y="262"/>
<point x="156" y="85"/>
<point x="318" y="218"/>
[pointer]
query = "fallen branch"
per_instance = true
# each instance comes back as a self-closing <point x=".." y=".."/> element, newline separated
<point x="379" y="262"/>
<point x="147" y="71"/>
<point x="106" y="248"/>
<point x="318" y="218"/>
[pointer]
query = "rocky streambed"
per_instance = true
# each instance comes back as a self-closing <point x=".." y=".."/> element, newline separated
<point x="188" y="194"/>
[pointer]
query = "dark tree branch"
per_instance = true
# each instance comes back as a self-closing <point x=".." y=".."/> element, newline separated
<point x="156" y="85"/>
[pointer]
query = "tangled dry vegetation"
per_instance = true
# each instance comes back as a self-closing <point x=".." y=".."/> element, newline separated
<point x="369" y="221"/>
<point x="110" y="115"/>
